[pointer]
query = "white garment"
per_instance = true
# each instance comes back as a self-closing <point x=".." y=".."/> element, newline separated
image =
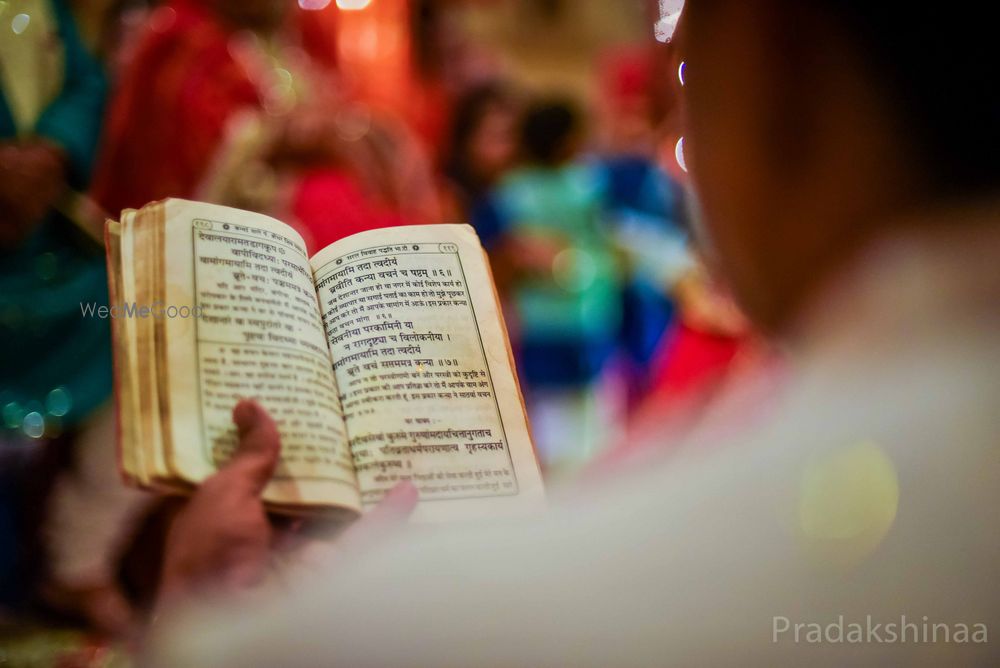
<point x="874" y="493"/>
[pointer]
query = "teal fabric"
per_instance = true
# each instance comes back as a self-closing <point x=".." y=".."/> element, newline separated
<point x="55" y="364"/>
<point x="73" y="119"/>
<point x="581" y="298"/>
<point x="7" y="127"/>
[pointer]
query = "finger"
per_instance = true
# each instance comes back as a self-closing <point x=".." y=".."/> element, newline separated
<point x="385" y="518"/>
<point x="397" y="505"/>
<point x="259" y="446"/>
<point x="108" y="610"/>
<point x="103" y="606"/>
<point x="287" y="533"/>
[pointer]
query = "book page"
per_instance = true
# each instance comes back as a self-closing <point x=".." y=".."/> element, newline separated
<point x="256" y="333"/>
<point x="141" y="235"/>
<point x="426" y="380"/>
<point x="125" y="351"/>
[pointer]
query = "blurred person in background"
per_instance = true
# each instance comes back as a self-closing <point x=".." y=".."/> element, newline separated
<point x="483" y="145"/>
<point x="545" y="227"/>
<point x="645" y="213"/>
<point x="843" y="155"/>
<point x="683" y="337"/>
<point x="63" y="510"/>
<point x="447" y="64"/>
<point x="223" y="102"/>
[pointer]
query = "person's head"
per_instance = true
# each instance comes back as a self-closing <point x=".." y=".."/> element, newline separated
<point x="258" y="15"/>
<point x="551" y="132"/>
<point x="483" y="142"/>
<point x="811" y="126"/>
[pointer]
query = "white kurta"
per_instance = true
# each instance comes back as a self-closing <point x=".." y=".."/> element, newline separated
<point x="871" y="497"/>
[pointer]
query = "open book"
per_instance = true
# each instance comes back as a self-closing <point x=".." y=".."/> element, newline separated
<point x="383" y="357"/>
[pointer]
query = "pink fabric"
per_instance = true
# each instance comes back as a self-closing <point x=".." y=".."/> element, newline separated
<point x="331" y="205"/>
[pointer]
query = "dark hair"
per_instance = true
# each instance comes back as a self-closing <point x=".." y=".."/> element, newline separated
<point x="548" y="131"/>
<point x="469" y="111"/>
<point x="939" y="65"/>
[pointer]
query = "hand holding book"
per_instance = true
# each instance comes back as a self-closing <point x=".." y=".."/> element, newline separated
<point x="222" y="536"/>
<point x="383" y="358"/>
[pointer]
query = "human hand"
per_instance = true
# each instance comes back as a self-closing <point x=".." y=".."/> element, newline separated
<point x="305" y="138"/>
<point x="533" y="255"/>
<point x="32" y="177"/>
<point x="103" y="605"/>
<point x="222" y="539"/>
<point x="708" y="308"/>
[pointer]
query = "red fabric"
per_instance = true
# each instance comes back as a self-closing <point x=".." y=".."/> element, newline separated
<point x="318" y="32"/>
<point x="626" y="77"/>
<point x="717" y="386"/>
<point x="332" y="206"/>
<point x="693" y="366"/>
<point x="167" y="117"/>
<point x="691" y="359"/>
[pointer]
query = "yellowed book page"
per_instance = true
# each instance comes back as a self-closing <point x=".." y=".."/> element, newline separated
<point x="242" y="320"/>
<point x="147" y="227"/>
<point x="423" y="366"/>
<point x="124" y="369"/>
<point x="138" y="439"/>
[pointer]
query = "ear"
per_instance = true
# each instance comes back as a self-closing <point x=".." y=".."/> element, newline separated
<point x="745" y="126"/>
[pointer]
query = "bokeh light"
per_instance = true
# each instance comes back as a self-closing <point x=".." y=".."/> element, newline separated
<point x="20" y="23"/>
<point x="353" y="4"/>
<point x="848" y="501"/>
<point x="314" y="5"/>
<point x="679" y="154"/>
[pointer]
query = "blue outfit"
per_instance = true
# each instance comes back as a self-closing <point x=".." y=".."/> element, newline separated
<point x="642" y="198"/>
<point x="569" y="320"/>
<point x="568" y="334"/>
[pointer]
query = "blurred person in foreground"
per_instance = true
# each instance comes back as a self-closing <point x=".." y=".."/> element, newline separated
<point x="844" y="158"/>
<point x="224" y="101"/>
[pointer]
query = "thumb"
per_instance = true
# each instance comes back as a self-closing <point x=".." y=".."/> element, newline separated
<point x="259" y="446"/>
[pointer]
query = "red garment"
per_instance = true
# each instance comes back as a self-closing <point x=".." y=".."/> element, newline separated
<point x="332" y="206"/>
<point x="691" y="360"/>
<point x="726" y="384"/>
<point x="692" y="367"/>
<point x="168" y="119"/>
<point x="170" y="109"/>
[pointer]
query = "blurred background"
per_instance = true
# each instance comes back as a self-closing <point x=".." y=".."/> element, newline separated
<point x="549" y="125"/>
